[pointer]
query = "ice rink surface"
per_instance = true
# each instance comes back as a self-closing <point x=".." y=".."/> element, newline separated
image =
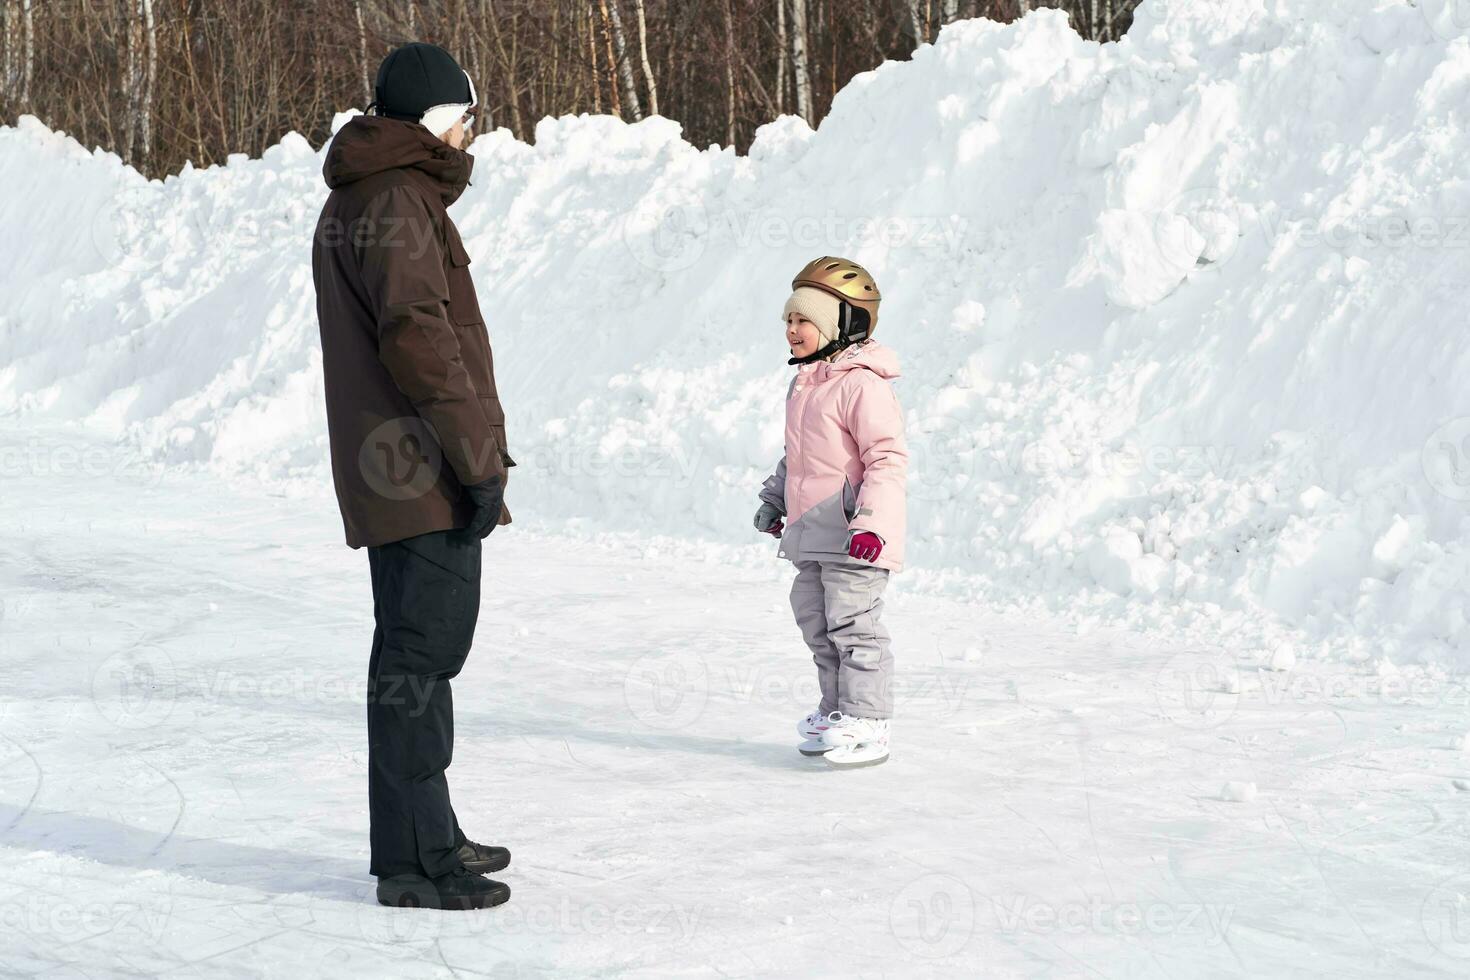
<point x="183" y="791"/>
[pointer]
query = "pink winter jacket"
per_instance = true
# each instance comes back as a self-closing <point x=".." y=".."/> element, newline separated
<point x="846" y="462"/>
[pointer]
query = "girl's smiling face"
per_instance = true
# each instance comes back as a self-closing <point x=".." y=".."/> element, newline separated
<point x="802" y="335"/>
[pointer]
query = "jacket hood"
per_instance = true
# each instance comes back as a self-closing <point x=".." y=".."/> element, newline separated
<point x="369" y="145"/>
<point x="882" y="361"/>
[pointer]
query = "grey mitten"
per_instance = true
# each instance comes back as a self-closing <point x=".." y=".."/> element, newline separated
<point x="768" y="520"/>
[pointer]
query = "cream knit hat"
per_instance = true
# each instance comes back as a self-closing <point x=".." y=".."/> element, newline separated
<point x="822" y="308"/>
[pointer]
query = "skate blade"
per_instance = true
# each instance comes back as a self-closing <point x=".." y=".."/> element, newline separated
<point x="862" y="764"/>
<point x="813" y="747"/>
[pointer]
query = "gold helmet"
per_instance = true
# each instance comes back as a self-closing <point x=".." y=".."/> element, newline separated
<point x="850" y="283"/>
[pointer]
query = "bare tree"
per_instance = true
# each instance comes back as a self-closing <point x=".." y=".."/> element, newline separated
<point x="237" y="74"/>
<point x="612" y="61"/>
<point x="509" y="69"/>
<point x="625" y="64"/>
<point x="648" y="78"/>
<point x="783" y="56"/>
<point x="150" y="77"/>
<point x="142" y="69"/>
<point x="917" y="22"/>
<point x="729" y="75"/>
<point x="28" y="60"/>
<point x="800" y="68"/>
<point x="362" y="57"/>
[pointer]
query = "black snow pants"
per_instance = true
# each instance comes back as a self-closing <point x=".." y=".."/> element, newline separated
<point x="426" y="598"/>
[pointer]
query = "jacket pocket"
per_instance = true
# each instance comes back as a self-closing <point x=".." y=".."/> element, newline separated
<point x="464" y="306"/>
<point x="849" y="500"/>
<point x="474" y="347"/>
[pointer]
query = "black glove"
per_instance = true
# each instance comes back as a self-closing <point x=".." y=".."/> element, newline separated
<point x="768" y="520"/>
<point x="489" y="500"/>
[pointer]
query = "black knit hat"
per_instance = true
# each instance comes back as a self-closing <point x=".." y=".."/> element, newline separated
<point x="417" y="77"/>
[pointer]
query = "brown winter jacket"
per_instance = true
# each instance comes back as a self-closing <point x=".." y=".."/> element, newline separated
<point x="412" y="412"/>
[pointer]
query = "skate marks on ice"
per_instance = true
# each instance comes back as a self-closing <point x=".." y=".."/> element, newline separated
<point x="182" y="776"/>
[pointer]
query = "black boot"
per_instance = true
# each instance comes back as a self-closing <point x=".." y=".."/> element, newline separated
<point x="481" y="859"/>
<point x="459" y="890"/>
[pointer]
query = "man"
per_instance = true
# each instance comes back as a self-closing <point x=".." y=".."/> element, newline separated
<point x="418" y="453"/>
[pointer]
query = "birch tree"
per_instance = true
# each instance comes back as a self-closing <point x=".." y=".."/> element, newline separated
<point x="783" y="56"/>
<point x="592" y="60"/>
<point x="362" y="57"/>
<point x="801" y="69"/>
<point x="625" y="65"/>
<point x="729" y="76"/>
<point x="612" y="61"/>
<point x="648" y="78"/>
<point x="237" y="74"/>
<point x="140" y="72"/>
<point x="917" y="23"/>
<point x="28" y="58"/>
<point x="12" y="42"/>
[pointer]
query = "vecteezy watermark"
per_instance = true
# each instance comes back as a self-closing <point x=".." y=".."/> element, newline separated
<point x="1445" y="917"/>
<point x="136" y="687"/>
<point x="933" y="916"/>
<point x="82" y="460"/>
<point x="831" y="231"/>
<point x="119" y="227"/>
<point x="671" y="237"/>
<point x="942" y="693"/>
<point x="1194" y="15"/>
<point x="541" y="915"/>
<point x="1364" y="232"/>
<point x="1214" y="215"/>
<point x="380" y="926"/>
<point x="1106" y="916"/>
<point x="1269" y="687"/>
<point x="57" y="921"/>
<point x="565" y="917"/>
<point x="1445" y="459"/>
<point x="667" y="237"/>
<point x="675" y="466"/>
<point x="1201" y="690"/>
<point x="667" y="692"/>
<point x="400" y="458"/>
<point x="144" y="222"/>
<point x="1450" y="19"/>
<point x="1197" y="689"/>
<point x="671" y="692"/>
<point x="412" y="237"/>
<point x="954" y="458"/>
<point x="277" y="687"/>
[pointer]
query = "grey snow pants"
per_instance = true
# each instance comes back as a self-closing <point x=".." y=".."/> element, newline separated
<point x="838" y="607"/>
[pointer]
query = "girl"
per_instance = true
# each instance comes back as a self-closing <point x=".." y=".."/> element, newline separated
<point x="836" y="502"/>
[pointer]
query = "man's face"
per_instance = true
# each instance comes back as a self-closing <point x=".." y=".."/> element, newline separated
<point x="457" y="136"/>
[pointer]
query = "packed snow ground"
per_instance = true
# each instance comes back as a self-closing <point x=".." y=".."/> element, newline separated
<point x="1181" y="317"/>
<point x="1181" y="652"/>
<point x="182" y="782"/>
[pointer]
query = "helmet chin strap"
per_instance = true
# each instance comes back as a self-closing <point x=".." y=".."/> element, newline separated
<point x="845" y="331"/>
<point x="820" y="355"/>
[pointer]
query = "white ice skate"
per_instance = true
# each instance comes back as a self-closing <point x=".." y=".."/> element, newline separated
<point x="813" y="725"/>
<point x="856" y="742"/>
<point x="810" y="729"/>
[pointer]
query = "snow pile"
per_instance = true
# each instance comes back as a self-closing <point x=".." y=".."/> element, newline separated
<point x="1180" y="316"/>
